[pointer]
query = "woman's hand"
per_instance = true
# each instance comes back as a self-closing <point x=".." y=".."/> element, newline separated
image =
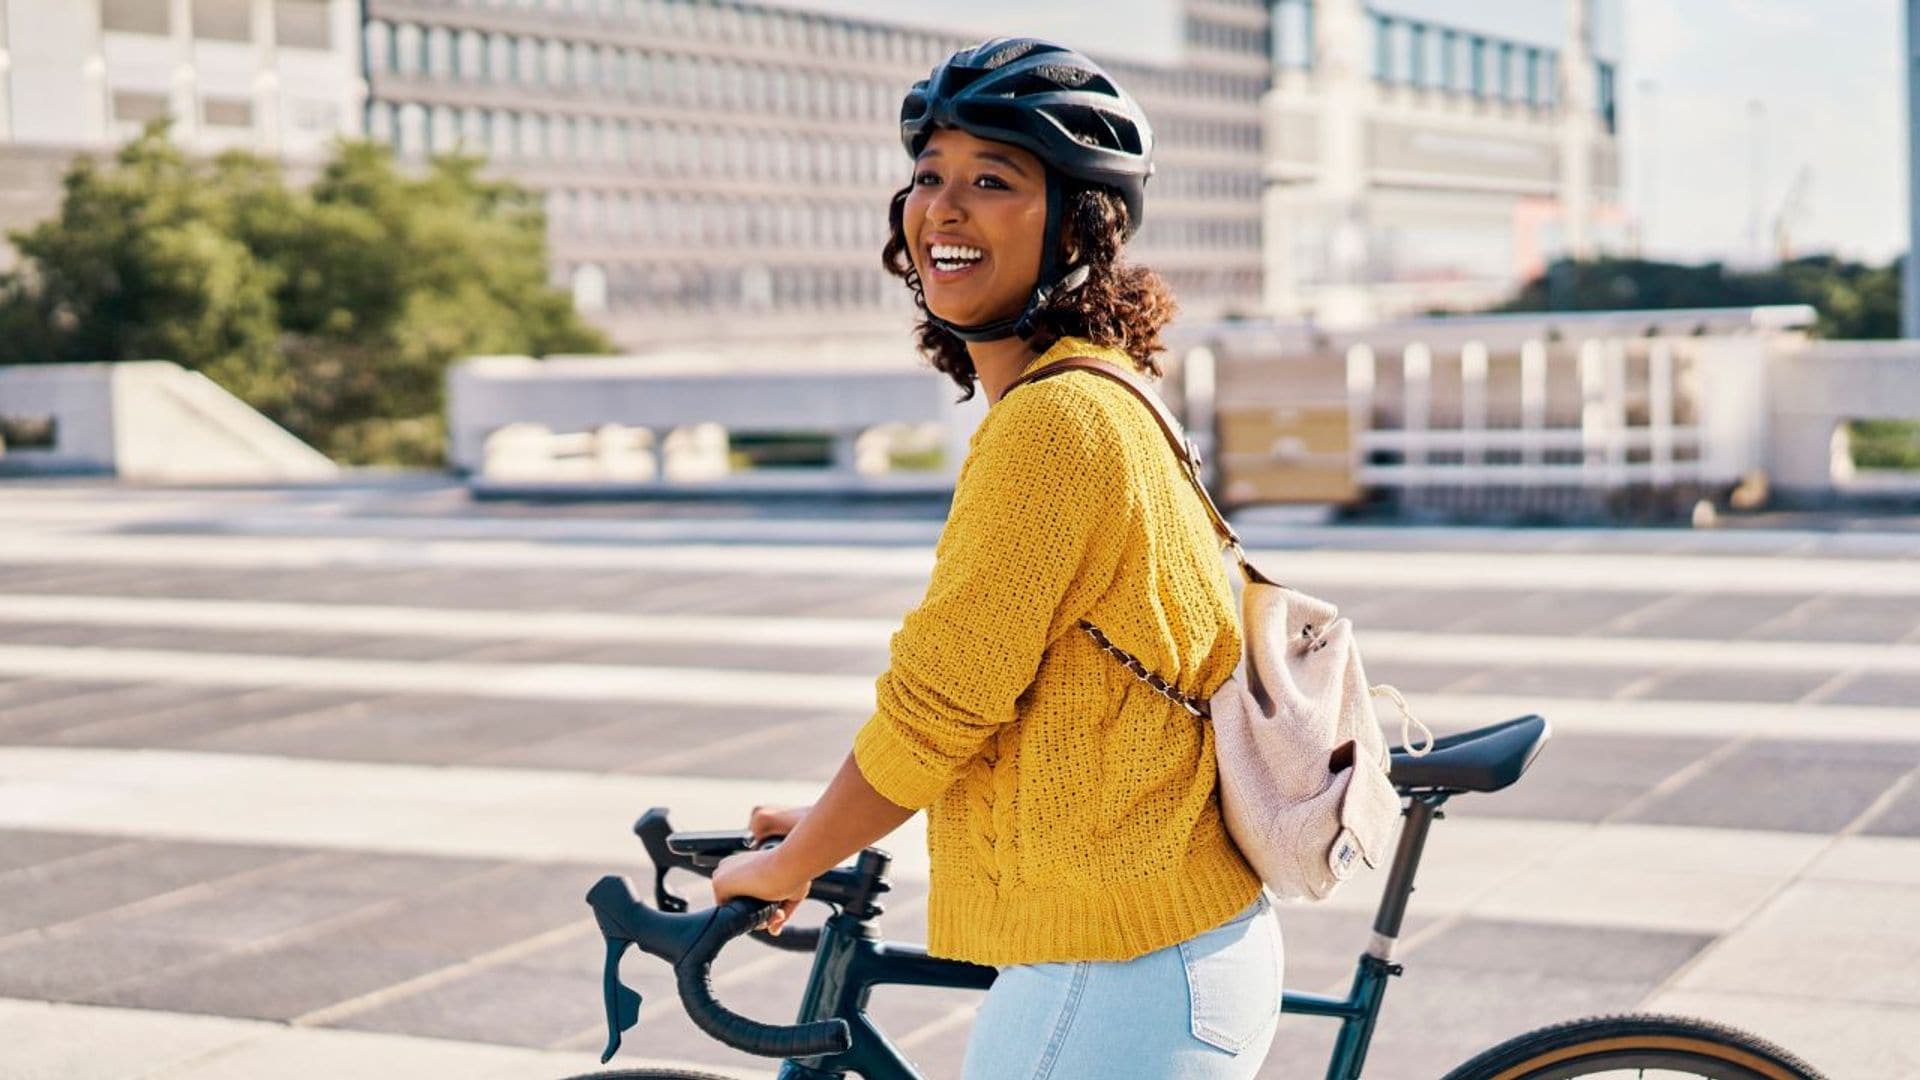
<point x="767" y="821"/>
<point x="760" y="875"/>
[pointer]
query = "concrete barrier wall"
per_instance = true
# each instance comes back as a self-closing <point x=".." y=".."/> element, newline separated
<point x="569" y="396"/>
<point x="1813" y="388"/>
<point x="149" y="421"/>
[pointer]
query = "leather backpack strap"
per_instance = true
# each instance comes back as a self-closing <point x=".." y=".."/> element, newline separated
<point x="1183" y="447"/>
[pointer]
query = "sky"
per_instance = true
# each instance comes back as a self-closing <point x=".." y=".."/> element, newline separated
<point x="1727" y="106"/>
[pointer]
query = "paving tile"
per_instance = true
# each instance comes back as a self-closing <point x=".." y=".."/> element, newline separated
<point x="70" y="968"/>
<point x="516" y="1006"/>
<point x="1710" y="615"/>
<point x="234" y="917"/>
<point x="201" y="639"/>
<point x="398" y="729"/>
<point x="1588" y="777"/>
<point x="57" y="893"/>
<point x="1686" y="880"/>
<point x="1783" y="785"/>
<point x="638" y="741"/>
<point x="180" y="725"/>
<point x="274" y="984"/>
<point x="1895" y="689"/>
<point x="1822" y="940"/>
<point x="1725" y="685"/>
<point x="49" y="716"/>
<point x="1579" y="613"/>
<point x="21" y="849"/>
<point x="472" y="916"/>
<point x="1568" y="682"/>
<point x="41" y="633"/>
<point x="813" y="751"/>
<point x="1843" y="618"/>
<point x="1900" y="817"/>
<point x="1586" y="952"/>
<point x="373" y="875"/>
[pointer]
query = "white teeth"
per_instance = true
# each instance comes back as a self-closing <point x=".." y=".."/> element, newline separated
<point x="956" y="253"/>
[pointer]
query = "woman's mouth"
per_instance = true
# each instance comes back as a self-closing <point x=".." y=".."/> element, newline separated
<point x="951" y="262"/>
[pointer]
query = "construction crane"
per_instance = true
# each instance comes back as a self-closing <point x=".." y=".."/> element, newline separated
<point x="1793" y="207"/>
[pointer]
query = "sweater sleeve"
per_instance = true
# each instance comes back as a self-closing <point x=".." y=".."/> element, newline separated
<point x="1040" y="495"/>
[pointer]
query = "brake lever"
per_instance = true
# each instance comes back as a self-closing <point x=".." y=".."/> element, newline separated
<point x="622" y="1002"/>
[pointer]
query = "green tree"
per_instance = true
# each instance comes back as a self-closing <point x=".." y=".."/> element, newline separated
<point x="1853" y="300"/>
<point x="334" y="309"/>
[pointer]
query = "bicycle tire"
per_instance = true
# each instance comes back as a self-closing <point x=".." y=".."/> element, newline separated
<point x="1599" y="1044"/>
<point x="651" y="1075"/>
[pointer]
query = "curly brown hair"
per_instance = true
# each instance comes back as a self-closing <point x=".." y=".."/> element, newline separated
<point x="1121" y="306"/>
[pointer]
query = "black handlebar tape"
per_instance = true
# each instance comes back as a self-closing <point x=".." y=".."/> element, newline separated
<point x="695" y="976"/>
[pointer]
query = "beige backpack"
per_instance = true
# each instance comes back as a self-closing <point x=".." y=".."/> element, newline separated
<point x="1303" y="768"/>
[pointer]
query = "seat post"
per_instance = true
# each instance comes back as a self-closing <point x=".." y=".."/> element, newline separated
<point x="1421" y="809"/>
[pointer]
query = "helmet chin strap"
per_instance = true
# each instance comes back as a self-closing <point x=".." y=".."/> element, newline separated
<point x="1049" y="285"/>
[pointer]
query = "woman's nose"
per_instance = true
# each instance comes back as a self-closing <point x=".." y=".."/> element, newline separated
<point x="946" y="207"/>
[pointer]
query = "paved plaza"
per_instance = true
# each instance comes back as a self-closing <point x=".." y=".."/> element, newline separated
<point x="311" y="782"/>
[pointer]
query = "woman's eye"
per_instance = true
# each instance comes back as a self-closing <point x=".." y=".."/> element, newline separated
<point x="991" y="181"/>
<point x="926" y="178"/>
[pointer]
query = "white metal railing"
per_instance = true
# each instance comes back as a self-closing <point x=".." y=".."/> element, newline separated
<point x="1595" y="402"/>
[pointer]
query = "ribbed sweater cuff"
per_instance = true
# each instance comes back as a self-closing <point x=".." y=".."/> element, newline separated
<point x="889" y="764"/>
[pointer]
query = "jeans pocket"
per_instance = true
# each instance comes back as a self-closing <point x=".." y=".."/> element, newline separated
<point x="1233" y="979"/>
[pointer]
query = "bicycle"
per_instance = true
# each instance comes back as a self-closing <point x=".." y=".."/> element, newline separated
<point x="833" y="1035"/>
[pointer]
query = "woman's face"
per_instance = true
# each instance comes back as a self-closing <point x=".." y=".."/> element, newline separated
<point x="974" y="221"/>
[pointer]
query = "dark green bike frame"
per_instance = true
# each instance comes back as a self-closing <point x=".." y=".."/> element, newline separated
<point x="851" y="960"/>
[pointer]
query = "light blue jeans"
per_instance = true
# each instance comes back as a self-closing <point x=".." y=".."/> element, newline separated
<point x="1201" y="1009"/>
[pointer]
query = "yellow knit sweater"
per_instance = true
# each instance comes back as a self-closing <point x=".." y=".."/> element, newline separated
<point x="1072" y="812"/>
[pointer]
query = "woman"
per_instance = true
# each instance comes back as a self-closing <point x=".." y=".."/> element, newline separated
<point x="1073" y="822"/>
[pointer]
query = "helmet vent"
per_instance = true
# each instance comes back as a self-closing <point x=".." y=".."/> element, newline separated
<point x="1093" y="127"/>
<point x="1063" y="75"/>
<point x="1008" y="55"/>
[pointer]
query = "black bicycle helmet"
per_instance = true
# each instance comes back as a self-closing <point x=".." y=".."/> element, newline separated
<point x="1055" y="103"/>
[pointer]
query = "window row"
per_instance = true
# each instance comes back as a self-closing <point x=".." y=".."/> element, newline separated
<point x="638" y="146"/>
<point x="139" y="107"/>
<point x="666" y="219"/>
<point x="1188" y="234"/>
<point x="695" y="289"/>
<point x="1174" y="182"/>
<point x="649" y="76"/>
<point x="744" y="23"/>
<point x="1210" y="134"/>
<point x="299" y="24"/>
<point x="1225" y="37"/>
<point x="1434" y="57"/>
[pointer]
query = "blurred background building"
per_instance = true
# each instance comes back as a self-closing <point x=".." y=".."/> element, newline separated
<point x="1427" y="155"/>
<point x="716" y="170"/>
<point x="719" y="169"/>
<point x="277" y="76"/>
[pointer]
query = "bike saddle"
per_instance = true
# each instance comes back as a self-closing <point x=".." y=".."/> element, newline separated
<point x="1484" y="759"/>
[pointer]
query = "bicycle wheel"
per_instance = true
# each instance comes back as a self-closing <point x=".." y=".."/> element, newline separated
<point x="1636" y="1046"/>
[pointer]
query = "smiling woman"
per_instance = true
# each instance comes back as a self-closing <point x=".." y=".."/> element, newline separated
<point x="1074" y="831"/>
<point x="1030" y="172"/>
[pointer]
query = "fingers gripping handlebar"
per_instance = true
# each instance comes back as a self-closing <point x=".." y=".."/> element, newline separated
<point x="690" y="942"/>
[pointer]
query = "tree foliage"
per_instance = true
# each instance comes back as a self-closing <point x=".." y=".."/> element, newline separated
<point x="335" y="309"/>
<point x="1853" y="300"/>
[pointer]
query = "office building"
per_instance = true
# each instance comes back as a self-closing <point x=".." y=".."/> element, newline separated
<point x="81" y="76"/>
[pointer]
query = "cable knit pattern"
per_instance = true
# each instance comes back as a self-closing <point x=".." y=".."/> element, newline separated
<point x="1071" y="814"/>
